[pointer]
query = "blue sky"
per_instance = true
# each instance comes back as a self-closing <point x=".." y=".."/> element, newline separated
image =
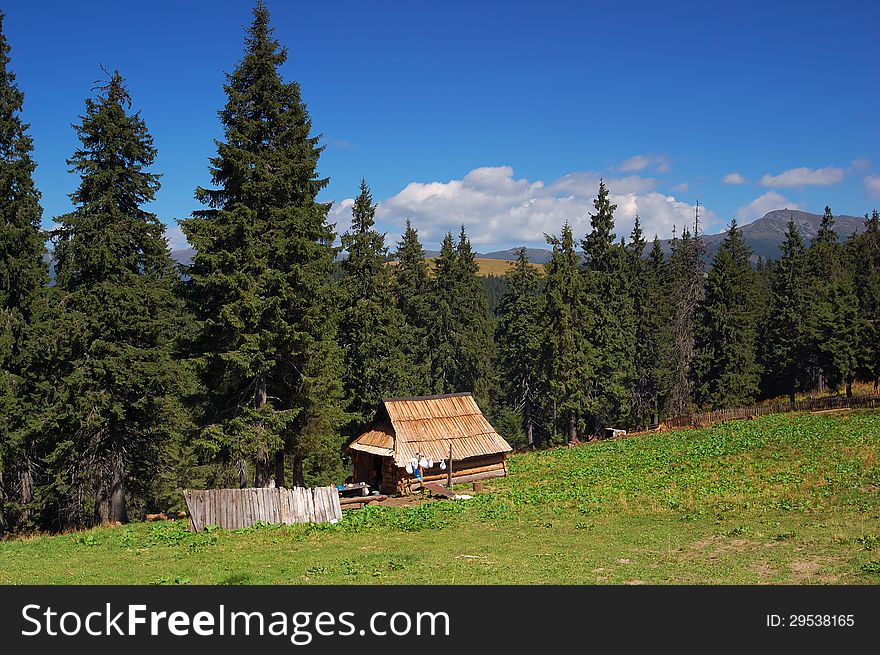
<point x="501" y="115"/>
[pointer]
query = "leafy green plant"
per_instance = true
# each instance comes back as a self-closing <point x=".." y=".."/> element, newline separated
<point x="871" y="567"/>
<point x="88" y="539"/>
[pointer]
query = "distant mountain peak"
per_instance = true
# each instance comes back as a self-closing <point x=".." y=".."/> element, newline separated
<point x="766" y="234"/>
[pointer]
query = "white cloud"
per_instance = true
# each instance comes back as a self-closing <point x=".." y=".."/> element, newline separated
<point x="587" y="184"/>
<point x="734" y="178"/>
<point x="861" y="164"/>
<point x="872" y="185"/>
<point x="500" y="211"/>
<point x="175" y="238"/>
<point x="800" y="177"/>
<point x="763" y="204"/>
<point x="638" y="163"/>
<point x="340" y="214"/>
<point x="680" y="188"/>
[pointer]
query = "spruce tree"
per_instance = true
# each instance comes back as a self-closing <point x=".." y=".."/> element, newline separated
<point x="726" y="373"/>
<point x="371" y="323"/>
<point x="23" y="278"/>
<point x="107" y="350"/>
<point x="460" y="336"/>
<point x="785" y="341"/>
<point x="763" y="297"/>
<point x="412" y="287"/>
<point x="567" y="359"/>
<point x="599" y="243"/>
<point x="635" y="249"/>
<point x="833" y="317"/>
<point x="651" y="315"/>
<point x="609" y="304"/>
<point x="259" y="283"/>
<point x="442" y="337"/>
<point x="471" y="310"/>
<point x="518" y="338"/>
<point x="864" y="260"/>
<point x="656" y="331"/>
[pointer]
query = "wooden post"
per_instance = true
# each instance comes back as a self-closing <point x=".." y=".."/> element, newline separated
<point x="449" y="469"/>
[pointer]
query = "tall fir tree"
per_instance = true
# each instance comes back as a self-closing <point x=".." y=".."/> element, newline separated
<point x="259" y="283"/>
<point x="107" y="351"/>
<point x="371" y="324"/>
<point x="471" y="309"/>
<point x="412" y="286"/>
<point x="651" y="315"/>
<point x="518" y="338"/>
<point x="609" y="303"/>
<point x="657" y="331"/>
<point x="726" y="372"/>
<point x="460" y="336"/>
<point x="23" y="279"/>
<point x="567" y="359"/>
<point x="442" y="338"/>
<point x="784" y="346"/>
<point x="833" y="317"/>
<point x="763" y="295"/>
<point x="864" y="261"/>
<point x="635" y="249"/>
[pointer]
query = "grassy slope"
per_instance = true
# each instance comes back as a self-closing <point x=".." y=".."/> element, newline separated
<point x="497" y="267"/>
<point x="859" y="389"/>
<point x="782" y="499"/>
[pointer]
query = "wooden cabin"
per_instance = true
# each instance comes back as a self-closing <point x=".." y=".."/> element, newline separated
<point x="449" y="428"/>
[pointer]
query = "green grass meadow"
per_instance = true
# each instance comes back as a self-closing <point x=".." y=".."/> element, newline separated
<point x="792" y="499"/>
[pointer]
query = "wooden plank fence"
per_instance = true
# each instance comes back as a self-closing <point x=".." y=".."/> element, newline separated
<point x="808" y="405"/>
<point x="241" y="508"/>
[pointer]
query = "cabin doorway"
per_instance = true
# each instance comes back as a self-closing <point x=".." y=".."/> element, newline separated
<point x="368" y="468"/>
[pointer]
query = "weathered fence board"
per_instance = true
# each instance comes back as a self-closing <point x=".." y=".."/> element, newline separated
<point x="195" y="503"/>
<point x="807" y="405"/>
<point x="240" y="508"/>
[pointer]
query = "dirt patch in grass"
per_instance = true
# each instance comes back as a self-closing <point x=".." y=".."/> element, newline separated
<point x="811" y="569"/>
<point x="715" y="547"/>
<point x="763" y="569"/>
<point x="802" y="570"/>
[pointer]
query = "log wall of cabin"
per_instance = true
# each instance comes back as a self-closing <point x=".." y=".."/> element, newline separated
<point x="466" y="470"/>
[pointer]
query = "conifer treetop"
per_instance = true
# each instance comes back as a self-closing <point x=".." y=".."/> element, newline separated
<point x="637" y="240"/>
<point x="826" y="232"/>
<point x="598" y="245"/>
<point x="793" y="246"/>
<point x="268" y="157"/>
<point x="22" y="271"/>
<point x="109" y="234"/>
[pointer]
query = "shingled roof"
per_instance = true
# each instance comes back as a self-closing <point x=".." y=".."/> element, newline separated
<point x="427" y="425"/>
